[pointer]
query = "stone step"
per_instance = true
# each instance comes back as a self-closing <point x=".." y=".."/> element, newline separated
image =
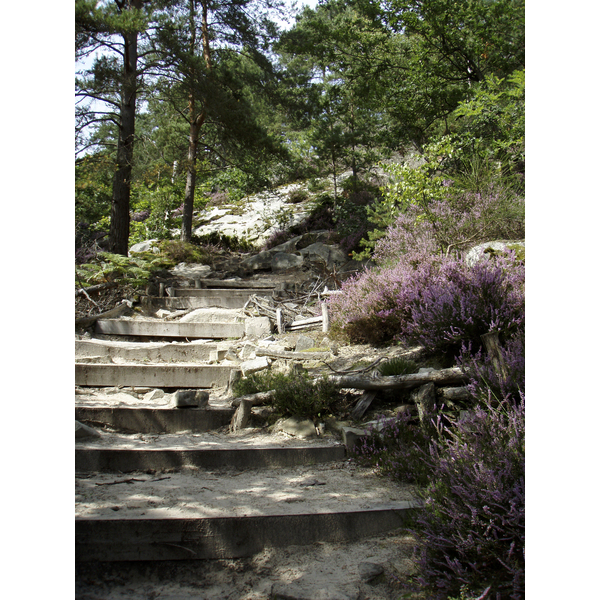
<point x="207" y="514"/>
<point x="127" y="460"/>
<point x="181" y="376"/>
<point x="170" y="329"/>
<point x="155" y="420"/>
<point x="146" y="351"/>
<point x="220" y="295"/>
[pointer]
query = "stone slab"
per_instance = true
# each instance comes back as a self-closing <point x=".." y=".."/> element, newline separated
<point x="155" y="420"/>
<point x="165" y="329"/>
<point x="229" y="537"/>
<point x="160" y="376"/>
<point x="107" y="460"/>
<point x="209" y="293"/>
<point x="149" y="351"/>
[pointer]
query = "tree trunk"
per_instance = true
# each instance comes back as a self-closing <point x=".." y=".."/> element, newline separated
<point x="196" y="122"/>
<point x="190" y="184"/>
<point x="399" y="382"/>
<point x="119" y="213"/>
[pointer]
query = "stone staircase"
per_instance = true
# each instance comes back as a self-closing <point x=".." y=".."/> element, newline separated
<point x="158" y="479"/>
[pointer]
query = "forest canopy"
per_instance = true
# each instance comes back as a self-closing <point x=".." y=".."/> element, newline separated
<point x="182" y="104"/>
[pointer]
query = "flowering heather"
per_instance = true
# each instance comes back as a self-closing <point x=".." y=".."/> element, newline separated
<point x="431" y="300"/>
<point x="452" y="225"/>
<point x="483" y="376"/>
<point x="471" y="530"/>
<point x="462" y="303"/>
<point x="395" y="450"/>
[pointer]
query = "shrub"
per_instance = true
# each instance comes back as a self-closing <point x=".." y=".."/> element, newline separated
<point x="277" y="238"/>
<point x="429" y="299"/>
<point x="375" y="306"/>
<point x="394" y="449"/>
<point x="134" y="271"/>
<point x="483" y="376"/>
<point x="471" y="529"/>
<point x="177" y="251"/>
<point x="397" y="366"/>
<point x="296" y="394"/>
<point x="461" y="303"/>
<point x="297" y="196"/>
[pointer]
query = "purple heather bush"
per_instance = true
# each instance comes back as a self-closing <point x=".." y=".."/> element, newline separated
<point x="471" y="529"/>
<point x="483" y="376"/>
<point x="461" y="303"/>
<point x="395" y="450"/>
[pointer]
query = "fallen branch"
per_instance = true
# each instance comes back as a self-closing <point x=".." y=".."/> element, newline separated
<point x="255" y="399"/>
<point x="131" y="480"/>
<point x="293" y="355"/>
<point x="95" y="288"/>
<point x="453" y="376"/>
<point x="114" y="312"/>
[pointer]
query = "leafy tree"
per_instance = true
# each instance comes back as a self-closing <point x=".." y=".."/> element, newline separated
<point x="341" y="122"/>
<point x="210" y="52"/>
<point x="112" y="33"/>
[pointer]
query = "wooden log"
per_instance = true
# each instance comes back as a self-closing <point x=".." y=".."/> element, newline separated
<point x="362" y="405"/>
<point x="254" y="399"/>
<point x="325" y="312"/>
<point x="280" y="327"/>
<point x="293" y="355"/>
<point x="453" y="376"/>
<point x="492" y="347"/>
<point x="424" y="399"/>
<point x="241" y="416"/>
<point x="111" y="314"/>
<point x="307" y="321"/>
<point x="454" y="393"/>
<point x="95" y="288"/>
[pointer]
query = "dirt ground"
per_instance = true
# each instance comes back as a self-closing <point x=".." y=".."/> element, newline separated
<point x="377" y="568"/>
<point x="321" y="571"/>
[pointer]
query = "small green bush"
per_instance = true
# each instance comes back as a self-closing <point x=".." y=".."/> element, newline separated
<point x="178" y="251"/>
<point x="297" y="196"/>
<point x="296" y="394"/>
<point x="397" y="366"/>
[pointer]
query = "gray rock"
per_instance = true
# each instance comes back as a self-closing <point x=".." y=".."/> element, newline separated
<point x="302" y="428"/>
<point x="258" y="327"/>
<point x="283" y="260"/>
<point x="248" y="352"/>
<point x="83" y="431"/>
<point x="476" y="253"/>
<point x="304" y="343"/>
<point x="252" y="366"/>
<point x="351" y="435"/>
<point x="143" y="246"/>
<point x="258" y="262"/>
<point x="190" y="399"/>
<point x="154" y="395"/>
<point x="289" y="246"/>
<point x="332" y="255"/>
<point x="369" y="571"/>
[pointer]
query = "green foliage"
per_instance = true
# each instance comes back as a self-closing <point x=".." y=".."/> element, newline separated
<point x="492" y="122"/>
<point x="93" y="187"/>
<point x="178" y="251"/>
<point x="397" y="366"/>
<point x="297" y="196"/>
<point x="409" y="185"/>
<point x="222" y="240"/>
<point x="134" y="271"/>
<point x="296" y="394"/>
